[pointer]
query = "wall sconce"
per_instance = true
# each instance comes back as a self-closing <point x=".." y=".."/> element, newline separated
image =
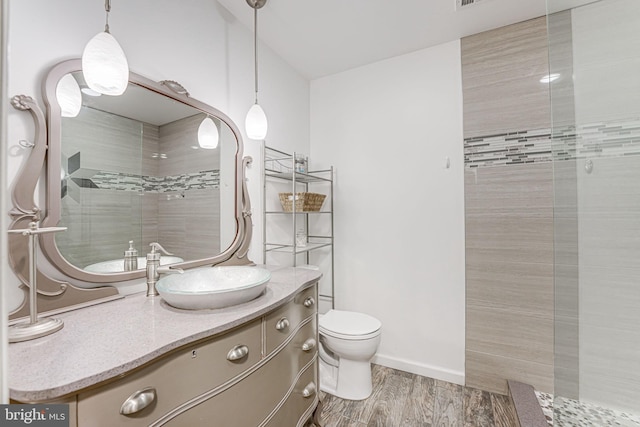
<point x="256" y="121"/>
<point x="104" y="64"/>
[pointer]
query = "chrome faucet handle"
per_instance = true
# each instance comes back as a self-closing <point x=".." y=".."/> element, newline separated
<point x="167" y="269"/>
<point x="157" y="246"/>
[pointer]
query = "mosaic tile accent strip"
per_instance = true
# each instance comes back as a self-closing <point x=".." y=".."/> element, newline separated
<point x="117" y="181"/>
<point x="611" y="139"/>
<point x="153" y="184"/>
<point x="527" y="146"/>
<point x="563" y="412"/>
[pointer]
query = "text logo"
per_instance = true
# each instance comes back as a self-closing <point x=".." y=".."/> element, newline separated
<point x="34" y="415"/>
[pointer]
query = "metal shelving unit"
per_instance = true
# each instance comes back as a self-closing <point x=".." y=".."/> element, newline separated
<point x="279" y="167"/>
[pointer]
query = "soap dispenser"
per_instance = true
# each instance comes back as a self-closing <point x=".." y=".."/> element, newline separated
<point x="130" y="258"/>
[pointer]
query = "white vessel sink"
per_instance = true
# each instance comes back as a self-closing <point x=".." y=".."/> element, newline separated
<point x="117" y="265"/>
<point x="213" y="287"/>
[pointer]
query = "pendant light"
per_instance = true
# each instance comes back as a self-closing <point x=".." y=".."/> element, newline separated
<point x="208" y="135"/>
<point x="104" y="64"/>
<point x="69" y="96"/>
<point x="256" y="121"/>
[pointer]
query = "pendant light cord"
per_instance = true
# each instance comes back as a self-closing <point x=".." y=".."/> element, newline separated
<point x="255" y="47"/>
<point x="107" y="8"/>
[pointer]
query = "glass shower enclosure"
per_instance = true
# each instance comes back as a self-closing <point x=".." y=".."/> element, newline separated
<point x="594" y="55"/>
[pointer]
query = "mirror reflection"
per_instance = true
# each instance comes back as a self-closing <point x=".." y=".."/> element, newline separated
<point x="134" y="169"/>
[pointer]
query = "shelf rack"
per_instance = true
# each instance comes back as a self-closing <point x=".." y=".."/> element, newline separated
<point x="279" y="166"/>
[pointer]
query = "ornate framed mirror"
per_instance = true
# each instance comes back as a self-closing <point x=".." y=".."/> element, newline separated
<point x="132" y="168"/>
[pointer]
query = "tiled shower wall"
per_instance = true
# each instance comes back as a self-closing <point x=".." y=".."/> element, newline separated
<point x="605" y="143"/>
<point x="508" y="208"/>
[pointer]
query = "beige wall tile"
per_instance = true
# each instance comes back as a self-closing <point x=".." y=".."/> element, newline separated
<point x="517" y="188"/>
<point x="490" y="372"/>
<point x="511" y="238"/>
<point x="525" y="287"/>
<point x="509" y="214"/>
<point x="510" y="333"/>
<point x="501" y="71"/>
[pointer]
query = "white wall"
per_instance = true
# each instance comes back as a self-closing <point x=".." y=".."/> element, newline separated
<point x="4" y="223"/>
<point x="197" y="43"/>
<point x="399" y="214"/>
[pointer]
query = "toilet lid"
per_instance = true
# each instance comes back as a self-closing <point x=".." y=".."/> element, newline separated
<point x="348" y="323"/>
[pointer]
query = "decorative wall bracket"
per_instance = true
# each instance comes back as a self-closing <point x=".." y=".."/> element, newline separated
<point x="245" y="224"/>
<point x="53" y="295"/>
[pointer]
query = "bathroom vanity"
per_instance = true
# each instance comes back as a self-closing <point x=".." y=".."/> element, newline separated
<point x="135" y="360"/>
<point x="138" y="361"/>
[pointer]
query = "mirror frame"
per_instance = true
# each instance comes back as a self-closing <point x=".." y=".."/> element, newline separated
<point x="46" y="152"/>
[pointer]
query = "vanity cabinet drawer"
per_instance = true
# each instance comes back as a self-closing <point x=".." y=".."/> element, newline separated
<point x="283" y="321"/>
<point x="248" y="403"/>
<point x="301" y="349"/>
<point x="301" y="399"/>
<point x="173" y="380"/>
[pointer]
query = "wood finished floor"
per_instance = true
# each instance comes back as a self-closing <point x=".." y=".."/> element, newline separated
<point x="403" y="399"/>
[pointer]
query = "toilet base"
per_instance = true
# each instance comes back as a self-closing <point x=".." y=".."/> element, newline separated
<point x="351" y="380"/>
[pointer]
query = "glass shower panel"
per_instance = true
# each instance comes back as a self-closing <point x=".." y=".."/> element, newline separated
<point x="101" y="203"/>
<point x="595" y="102"/>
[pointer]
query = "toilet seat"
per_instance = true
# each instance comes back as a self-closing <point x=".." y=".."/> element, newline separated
<point x="349" y="325"/>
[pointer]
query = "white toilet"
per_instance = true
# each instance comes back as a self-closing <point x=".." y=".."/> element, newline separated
<point x="348" y="342"/>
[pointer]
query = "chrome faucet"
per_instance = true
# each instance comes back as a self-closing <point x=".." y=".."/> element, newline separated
<point x="154" y="270"/>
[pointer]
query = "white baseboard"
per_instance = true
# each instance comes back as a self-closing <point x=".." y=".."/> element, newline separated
<point x="436" y="372"/>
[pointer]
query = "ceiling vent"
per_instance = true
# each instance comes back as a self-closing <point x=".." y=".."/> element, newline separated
<point x="461" y="4"/>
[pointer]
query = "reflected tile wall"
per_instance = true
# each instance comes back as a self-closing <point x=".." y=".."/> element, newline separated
<point x="119" y="189"/>
<point x="101" y="222"/>
<point x="99" y="225"/>
<point x="189" y="203"/>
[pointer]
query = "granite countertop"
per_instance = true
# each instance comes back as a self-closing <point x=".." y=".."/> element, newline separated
<point x="103" y="341"/>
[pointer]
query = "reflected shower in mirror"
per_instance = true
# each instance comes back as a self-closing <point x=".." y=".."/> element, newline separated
<point x="132" y="168"/>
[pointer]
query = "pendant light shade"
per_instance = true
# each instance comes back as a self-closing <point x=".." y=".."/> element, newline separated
<point x="104" y="65"/>
<point x="256" y="123"/>
<point x="69" y="96"/>
<point x="208" y="135"/>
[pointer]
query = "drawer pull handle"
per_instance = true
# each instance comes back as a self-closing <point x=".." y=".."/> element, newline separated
<point x="138" y="401"/>
<point x="238" y="352"/>
<point x="282" y="324"/>
<point x="309" y="390"/>
<point x="309" y="345"/>
<point x="309" y="302"/>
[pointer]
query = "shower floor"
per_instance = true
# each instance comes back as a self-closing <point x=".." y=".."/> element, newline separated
<point x="572" y="413"/>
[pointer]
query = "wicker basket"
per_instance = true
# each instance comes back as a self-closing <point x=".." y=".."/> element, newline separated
<point x="305" y="202"/>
